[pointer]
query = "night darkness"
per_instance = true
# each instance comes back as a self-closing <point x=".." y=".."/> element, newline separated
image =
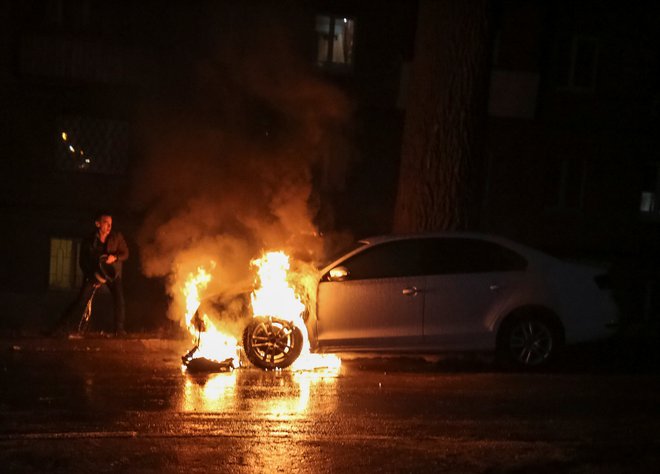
<point x="224" y="129"/>
<point x="363" y="236"/>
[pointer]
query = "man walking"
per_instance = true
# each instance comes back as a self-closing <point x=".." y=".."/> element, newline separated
<point x="101" y="257"/>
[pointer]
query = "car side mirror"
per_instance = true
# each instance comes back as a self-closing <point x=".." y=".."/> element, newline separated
<point x="338" y="274"/>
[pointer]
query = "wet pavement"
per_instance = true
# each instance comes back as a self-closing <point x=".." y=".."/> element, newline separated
<point x="125" y="405"/>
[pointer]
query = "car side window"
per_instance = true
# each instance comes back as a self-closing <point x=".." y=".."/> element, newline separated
<point x="464" y="255"/>
<point x="388" y="260"/>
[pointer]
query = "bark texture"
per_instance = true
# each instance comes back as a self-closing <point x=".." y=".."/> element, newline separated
<point x="441" y="161"/>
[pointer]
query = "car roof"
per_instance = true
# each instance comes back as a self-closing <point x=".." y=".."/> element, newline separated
<point x="520" y="248"/>
<point x="378" y="239"/>
<point x="532" y="255"/>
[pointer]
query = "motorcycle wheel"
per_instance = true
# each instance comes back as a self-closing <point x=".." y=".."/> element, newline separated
<point x="272" y="343"/>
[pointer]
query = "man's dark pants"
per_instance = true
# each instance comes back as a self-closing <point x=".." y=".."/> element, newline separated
<point x="75" y="310"/>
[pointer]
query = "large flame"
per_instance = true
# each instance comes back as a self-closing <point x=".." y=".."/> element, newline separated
<point x="195" y="283"/>
<point x="211" y="343"/>
<point x="276" y="296"/>
<point x="277" y="293"/>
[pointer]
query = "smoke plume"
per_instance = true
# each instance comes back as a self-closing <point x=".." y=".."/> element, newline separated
<point x="228" y="169"/>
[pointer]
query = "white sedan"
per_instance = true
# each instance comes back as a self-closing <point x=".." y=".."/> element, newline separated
<point x="443" y="292"/>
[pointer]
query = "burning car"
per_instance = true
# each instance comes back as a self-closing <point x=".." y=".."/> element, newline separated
<point x="430" y="293"/>
<point x="268" y="342"/>
<point x="271" y="320"/>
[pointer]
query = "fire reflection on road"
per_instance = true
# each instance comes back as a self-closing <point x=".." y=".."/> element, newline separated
<point x="271" y="394"/>
<point x="209" y="393"/>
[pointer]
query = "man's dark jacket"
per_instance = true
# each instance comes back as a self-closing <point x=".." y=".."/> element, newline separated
<point x="92" y="249"/>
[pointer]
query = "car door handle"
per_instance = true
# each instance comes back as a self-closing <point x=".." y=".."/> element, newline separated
<point x="412" y="291"/>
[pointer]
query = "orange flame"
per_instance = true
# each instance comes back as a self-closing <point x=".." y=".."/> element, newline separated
<point x="277" y="297"/>
<point x="194" y="284"/>
<point x="274" y="295"/>
<point x="213" y="345"/>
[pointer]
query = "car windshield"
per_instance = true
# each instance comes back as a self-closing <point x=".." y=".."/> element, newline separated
<point x="339" y="253"/>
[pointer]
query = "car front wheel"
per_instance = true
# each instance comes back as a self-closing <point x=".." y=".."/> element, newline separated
<point x="528" y="342"/>
<point x="272" y="343"/>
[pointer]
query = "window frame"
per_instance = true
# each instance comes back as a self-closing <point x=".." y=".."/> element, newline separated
<point x="327" y="62"/>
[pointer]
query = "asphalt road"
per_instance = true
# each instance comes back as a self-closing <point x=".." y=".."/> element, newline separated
<point x="126" y="406"/>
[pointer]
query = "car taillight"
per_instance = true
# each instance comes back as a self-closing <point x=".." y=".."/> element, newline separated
<point x="603" y="281"/>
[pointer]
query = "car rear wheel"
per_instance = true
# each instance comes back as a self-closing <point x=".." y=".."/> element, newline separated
<point x="272" y="343"/>
<point x="529" y="342"/>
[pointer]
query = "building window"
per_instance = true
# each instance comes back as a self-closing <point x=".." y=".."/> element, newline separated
<point x="65" y="273"/>
<point x="335" y="41"/>
<point x="92" y="145"/>
<point x="577" y="62"/>
<point x="649" y="205"/>
<point x="566" y="183"/>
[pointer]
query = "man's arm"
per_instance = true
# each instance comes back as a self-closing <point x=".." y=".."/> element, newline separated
<point x="120" y="250"/>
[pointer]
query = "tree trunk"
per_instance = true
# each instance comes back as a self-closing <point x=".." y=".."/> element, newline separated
<point x="440" y="176"/>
